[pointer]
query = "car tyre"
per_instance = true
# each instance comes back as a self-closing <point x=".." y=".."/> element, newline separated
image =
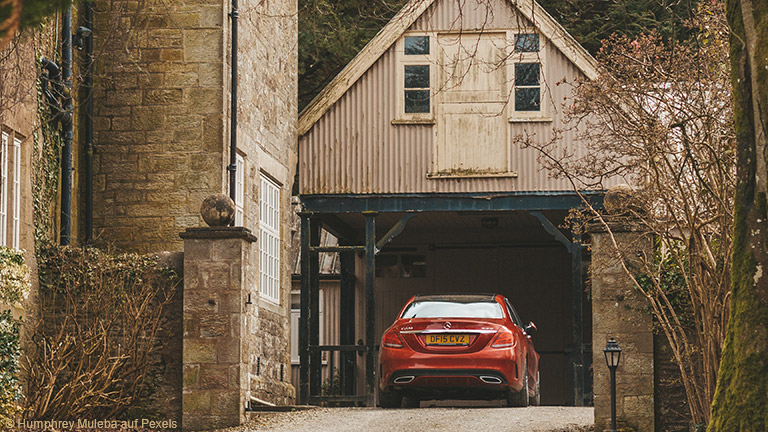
<point x="520" y="398"/>
<point x="535" y="400"/>
<point x="411" y="402"/>
<point x="390" y="399"/>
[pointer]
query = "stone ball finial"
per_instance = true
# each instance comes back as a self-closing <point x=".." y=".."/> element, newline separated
<point x="218" y="210"/>
<point x="618" y="199"/>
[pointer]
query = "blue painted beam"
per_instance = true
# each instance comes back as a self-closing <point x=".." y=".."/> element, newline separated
<point x="435" y="202"/>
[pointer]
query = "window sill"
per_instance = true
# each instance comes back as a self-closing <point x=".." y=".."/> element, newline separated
<point x="530" y="119"/>
<point x="398" y="122"/>
<point x="460" y="175"/>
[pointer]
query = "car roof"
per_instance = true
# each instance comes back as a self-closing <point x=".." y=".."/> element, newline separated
<point x="457" y="297"/>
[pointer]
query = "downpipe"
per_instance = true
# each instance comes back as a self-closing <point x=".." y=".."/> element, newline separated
<point x="234" y="15"/>
<point x="67" y="130"/>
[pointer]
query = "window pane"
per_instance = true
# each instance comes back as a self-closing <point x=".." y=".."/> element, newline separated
<point x="527" y="42"/>
<point x="417" y="101"/>
<point x="527" y="74"/>
<point x="416" y="45"/>
<point x="528" y="99"/>
<point x="417" y="77"/>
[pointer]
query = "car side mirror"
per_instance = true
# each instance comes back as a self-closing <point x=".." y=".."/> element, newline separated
<point x="530" y="328"/>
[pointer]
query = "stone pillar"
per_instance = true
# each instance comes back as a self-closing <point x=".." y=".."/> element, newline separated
<point x="215" y="374"/>
<point x="620" y="311"/>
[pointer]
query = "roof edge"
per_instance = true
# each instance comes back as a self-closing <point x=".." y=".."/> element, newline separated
<point x="367" y="56"/>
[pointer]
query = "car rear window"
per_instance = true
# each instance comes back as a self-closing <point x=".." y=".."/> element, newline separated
<point x="453" y="309"/>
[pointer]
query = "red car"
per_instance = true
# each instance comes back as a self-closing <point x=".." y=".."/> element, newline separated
<point x="458" y="346"/>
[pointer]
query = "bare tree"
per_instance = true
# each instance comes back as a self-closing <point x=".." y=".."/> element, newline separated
<point x="659" y="117"/>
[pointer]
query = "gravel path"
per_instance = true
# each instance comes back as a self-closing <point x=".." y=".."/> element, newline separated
<point x="532" y="419"/>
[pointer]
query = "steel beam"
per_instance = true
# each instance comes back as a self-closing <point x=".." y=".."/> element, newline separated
<point x="394" y="231"/>
<point x="370" y="308"/>
<point x="490" y="201"/>
<point x="342" y="230"/>
<point x="315" y="357"/>
<point x="577" y="289"/>
<point x="347" y="318"/>
<point x="304" y="316"/>
<point x="552" y="230"/>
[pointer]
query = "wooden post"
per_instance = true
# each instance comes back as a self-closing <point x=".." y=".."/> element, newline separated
<point x="370" y="311"/>
<point x="577" y="361"/>
<point x="347" y="320"/>
<point x="315" y="357"/>
<point x="304" y="316"/>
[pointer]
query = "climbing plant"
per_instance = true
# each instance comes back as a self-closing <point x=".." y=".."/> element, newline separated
<point x="14" y="286"/>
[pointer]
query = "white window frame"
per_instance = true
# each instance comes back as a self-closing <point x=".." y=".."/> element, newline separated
<point x="16" y="192"/>
<point x="269" y="239"/>
<point x="4" y="190"/>
<point x="543" y="115"/>
<point x="239" y="190"/>
<point x="296" y="321"/>
<point x="415" y="60"/>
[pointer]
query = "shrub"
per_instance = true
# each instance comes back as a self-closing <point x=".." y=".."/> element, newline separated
<point x="92" y="348"/>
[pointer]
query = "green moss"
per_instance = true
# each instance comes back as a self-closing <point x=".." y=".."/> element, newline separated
<point x="741" y="398"/>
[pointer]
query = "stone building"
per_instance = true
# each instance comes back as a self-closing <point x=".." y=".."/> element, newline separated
<point x="162" y="137"/>
<point x="18" y="123"/>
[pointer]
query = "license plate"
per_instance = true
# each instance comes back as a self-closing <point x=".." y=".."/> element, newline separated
<point x="447" y="339"/>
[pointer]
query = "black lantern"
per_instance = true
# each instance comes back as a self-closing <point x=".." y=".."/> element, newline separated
<point x="612" y="353"/>
<point x="612" y="356"/>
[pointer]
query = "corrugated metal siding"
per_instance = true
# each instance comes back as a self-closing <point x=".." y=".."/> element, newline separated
<point x="354" y="148"/>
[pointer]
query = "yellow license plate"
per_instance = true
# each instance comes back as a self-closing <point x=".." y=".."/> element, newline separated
<point x="447" y="339"/>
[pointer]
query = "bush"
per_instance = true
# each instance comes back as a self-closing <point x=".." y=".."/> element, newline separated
<point x="100" y="317"/>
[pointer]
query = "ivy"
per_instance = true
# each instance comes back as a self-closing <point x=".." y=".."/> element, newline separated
<point x="14" y="286"/>
<point x="45" y="165"/>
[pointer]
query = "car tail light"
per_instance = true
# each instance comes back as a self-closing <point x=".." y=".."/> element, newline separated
<point x="392" y="340"/>
<point x="504" y="339"/>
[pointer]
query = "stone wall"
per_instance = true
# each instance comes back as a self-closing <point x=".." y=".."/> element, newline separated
<point x="159" y="119"/>
<point x="621" y="312"/>
<point x="18" y="118"/>
<point x="267" y="142"/>
<point x="216" y="264"/>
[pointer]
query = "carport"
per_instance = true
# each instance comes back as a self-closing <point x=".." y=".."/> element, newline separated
<point x="394" y="246"/>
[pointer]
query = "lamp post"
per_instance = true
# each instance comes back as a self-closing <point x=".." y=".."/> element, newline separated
<point x="612" y="356"/>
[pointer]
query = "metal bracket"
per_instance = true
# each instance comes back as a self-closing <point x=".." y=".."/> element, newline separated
<point x="550" y="228"/>
<point x="394" y="231"/>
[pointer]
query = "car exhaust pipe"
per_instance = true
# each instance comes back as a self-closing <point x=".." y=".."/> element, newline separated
<point x="490" y="379"/>
<point x="404" y="379"/>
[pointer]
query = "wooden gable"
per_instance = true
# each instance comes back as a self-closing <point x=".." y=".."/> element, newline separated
<point x="356" y="136"/>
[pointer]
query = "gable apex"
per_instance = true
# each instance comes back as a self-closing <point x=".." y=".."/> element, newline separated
<point x="404" y="19"/>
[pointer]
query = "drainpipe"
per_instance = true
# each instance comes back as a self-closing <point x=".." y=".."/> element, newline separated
<point x="233" y="115"/>
<point x="67" y="129"/>
<point x="89" y="124"/>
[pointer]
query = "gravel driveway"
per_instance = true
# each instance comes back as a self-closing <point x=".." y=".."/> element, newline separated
<point x="532" y="419"/>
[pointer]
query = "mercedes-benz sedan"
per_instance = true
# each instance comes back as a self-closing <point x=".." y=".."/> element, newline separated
<point x="458" y="346"/>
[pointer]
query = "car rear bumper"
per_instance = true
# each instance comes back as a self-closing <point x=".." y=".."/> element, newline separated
<point x="484" y="372"/>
